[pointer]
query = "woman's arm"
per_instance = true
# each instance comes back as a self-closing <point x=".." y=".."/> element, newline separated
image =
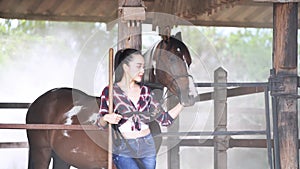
<point x="104" y="116"/>
<point x="174" y="112"/>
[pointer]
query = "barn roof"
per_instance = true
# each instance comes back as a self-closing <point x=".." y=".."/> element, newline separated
<point x="234" y="13"/>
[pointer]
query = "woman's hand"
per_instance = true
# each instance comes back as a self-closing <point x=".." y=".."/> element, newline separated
<point x="112" y="118"/>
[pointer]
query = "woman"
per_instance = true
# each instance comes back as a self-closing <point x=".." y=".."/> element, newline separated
<point x="134" y="108"/>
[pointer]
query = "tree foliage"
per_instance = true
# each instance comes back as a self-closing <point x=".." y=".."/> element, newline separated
<point x="20" y="36"/>
<point x="246" y="53"/>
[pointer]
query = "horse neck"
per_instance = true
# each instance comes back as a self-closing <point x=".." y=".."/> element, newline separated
<point x="148" y="56"/>
<point x="150" y="79"/>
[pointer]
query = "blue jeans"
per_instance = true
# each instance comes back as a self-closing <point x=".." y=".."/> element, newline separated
<point x="143" y="149"/>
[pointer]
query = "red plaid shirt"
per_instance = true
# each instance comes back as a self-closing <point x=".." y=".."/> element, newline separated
<point x="147" y="107"/>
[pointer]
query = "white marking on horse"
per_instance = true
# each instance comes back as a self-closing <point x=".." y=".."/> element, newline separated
<point x="93" y="118"/>
<point x="74" y="111"/>
<point x="75" y="150"/>
<point x="65" y="133"/>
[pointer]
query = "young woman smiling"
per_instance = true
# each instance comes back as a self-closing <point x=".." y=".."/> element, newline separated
<point x="134" y="108"/>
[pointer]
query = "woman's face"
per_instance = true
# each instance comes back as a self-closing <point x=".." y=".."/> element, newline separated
<point x="135" y="68"/>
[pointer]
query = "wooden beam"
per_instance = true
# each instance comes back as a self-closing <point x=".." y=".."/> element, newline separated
<point x="286" y="91"/>
<point x="14" y="145"/>
<point x="277" y="1"/>
<point x="14" y="105"/>
<point x="129" y="35"/>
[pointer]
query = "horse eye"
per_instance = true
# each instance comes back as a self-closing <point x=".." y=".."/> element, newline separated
<point x="178" y="49"/>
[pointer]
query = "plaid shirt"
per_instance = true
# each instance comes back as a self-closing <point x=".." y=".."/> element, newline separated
<point x="146" y="110"/>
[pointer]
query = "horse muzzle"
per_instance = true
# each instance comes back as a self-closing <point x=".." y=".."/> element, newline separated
<point x="188" y="96"/>
<point x="187" y="101"/>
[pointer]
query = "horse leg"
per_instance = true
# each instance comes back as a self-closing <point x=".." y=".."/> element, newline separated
<point x="39" y="158"/>
<point x="58" y="163"/>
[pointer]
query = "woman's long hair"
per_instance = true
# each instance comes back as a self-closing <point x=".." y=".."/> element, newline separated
<point x="123" y="56"/>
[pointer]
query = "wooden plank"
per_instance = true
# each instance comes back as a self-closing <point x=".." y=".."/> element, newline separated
<point x="83" y="6"/>
<point x="63" y="7"/>
<point x="14" y="105"/>
<point x="55" y="17"/>
<point x="13" y="145"/>
<point x="255" y="12"/>
<point x="5" y="5"/>
<point x="54" y="7"/>
<point x="44" y="6"/>
<point x="277" y="1"/>
<point x="25" y="5"/>
<point x="48" y="126"/>
<point x="239" y="14"/>
<point x="32" y="8"/>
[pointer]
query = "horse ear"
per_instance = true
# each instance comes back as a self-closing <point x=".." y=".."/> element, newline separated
<point x="178" y="36"/>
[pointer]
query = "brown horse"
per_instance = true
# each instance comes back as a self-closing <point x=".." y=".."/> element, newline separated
<point x="88" y="149"/>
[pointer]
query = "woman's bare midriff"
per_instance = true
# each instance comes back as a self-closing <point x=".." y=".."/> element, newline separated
<point x="136" y="134"/>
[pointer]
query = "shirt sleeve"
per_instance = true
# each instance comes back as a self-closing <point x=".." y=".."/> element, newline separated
<point x="103" y="109"/>
<point x="162" y="116"/>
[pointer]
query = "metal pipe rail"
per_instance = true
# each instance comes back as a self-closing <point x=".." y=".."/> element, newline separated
<point x="233" y="84"/>
<point x="214" y="133"/>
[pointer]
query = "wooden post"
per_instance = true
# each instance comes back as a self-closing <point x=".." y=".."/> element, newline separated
<point x="220" y="120"/>
<point x="285" y="65"/>
<point x="173" y="142"/>
<point x="129" y="30"/>
<point x="110" y="107"/>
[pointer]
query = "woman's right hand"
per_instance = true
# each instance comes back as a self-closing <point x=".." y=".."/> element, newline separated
<point x="112" y="118"/>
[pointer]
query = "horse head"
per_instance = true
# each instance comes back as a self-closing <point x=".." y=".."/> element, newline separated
<point x="167" y="64"/>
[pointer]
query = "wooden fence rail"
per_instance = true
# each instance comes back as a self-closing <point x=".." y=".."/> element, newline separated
<point x="185" y="139"/>
<point x="242" y="143"/>
<point x="48" y="127"/>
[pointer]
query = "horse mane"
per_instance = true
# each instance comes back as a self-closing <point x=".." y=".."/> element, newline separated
<point x="148" y="56"/>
